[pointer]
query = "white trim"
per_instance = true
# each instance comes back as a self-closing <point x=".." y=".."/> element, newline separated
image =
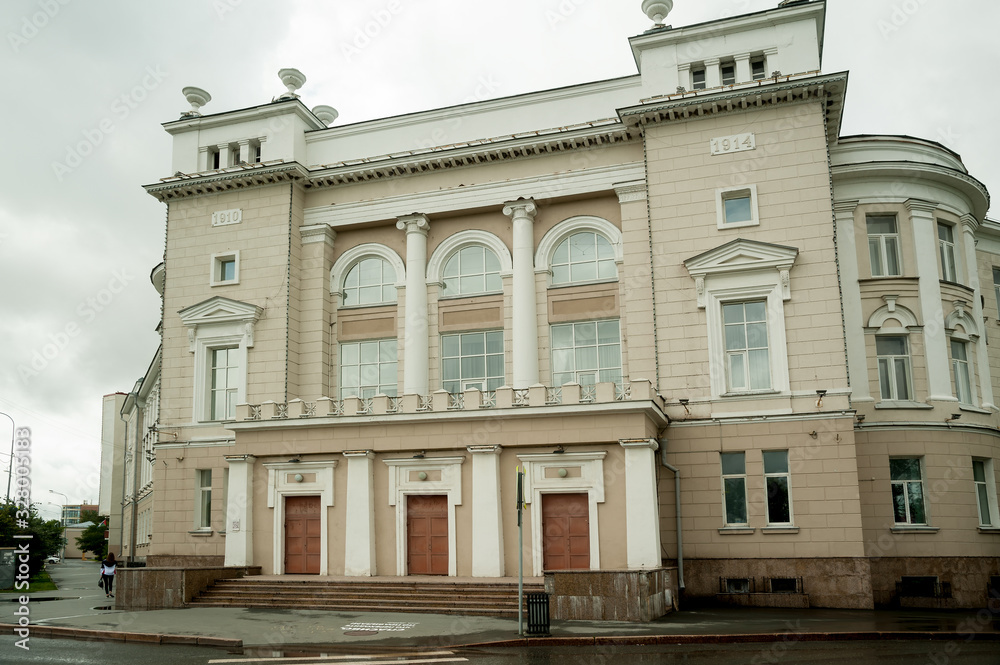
<point x="215" y="324"/>
<point x="457" y="241"/>
<point x="400" y="486"/>
<point x="721" y="194"/>
<point x="347" y="260"/>
<point x="216" y="268"/>
<point x="487" y="195"/>
<point x="566" y="228"/>
<point x="278" y="488"/>
<point x="591" y="481"/>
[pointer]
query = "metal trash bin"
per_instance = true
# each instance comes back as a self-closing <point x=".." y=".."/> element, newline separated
<point x="538" y="614"/>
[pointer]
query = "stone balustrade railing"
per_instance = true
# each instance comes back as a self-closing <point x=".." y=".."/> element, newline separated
<point x="471" y="400"/>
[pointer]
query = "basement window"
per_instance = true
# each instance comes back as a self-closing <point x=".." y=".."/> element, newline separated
<point x="737" y="585"/>
<point x="784" y="585"/>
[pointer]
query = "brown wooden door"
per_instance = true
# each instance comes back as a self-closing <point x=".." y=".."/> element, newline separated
<point x="302" y="535"/>
<point x="427" y="535"/>
<point x="565" y="532"/>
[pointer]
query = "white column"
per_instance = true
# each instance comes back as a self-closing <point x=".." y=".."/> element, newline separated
<point x="239" y="511"/>
<point x="359" y="529"/>
<point x="525" y="312"/>
<point x="223" y="155"/>
<point x="487" y="525"/>
<point x="983" y="378"/>
<point x="925" y="244"/>
<point x="713" y="77"/>
<point x="244" y="155"/>
<point x="743" y="73"/>
<point x="415" y="341"/>
<point x="642" y="513"/>
<point x="854" y="324"/>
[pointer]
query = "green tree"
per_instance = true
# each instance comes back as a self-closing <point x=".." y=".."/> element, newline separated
<point x="46" y="535"/>
<point x="92" y="539"/>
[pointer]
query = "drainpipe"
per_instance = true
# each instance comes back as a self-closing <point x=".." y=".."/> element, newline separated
<point x="677" y="504"/>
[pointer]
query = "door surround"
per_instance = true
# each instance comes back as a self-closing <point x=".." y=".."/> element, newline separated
<point x="537" y="482"/>
<point x="317" y="479"/>
<point x="404" y="479"/>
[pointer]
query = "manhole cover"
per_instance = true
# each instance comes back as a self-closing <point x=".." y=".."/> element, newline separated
<point x="360" y="632"/>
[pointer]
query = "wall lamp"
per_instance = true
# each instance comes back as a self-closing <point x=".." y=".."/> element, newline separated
<point x="684" y="402"/>
<point x="954" y="416"/>
<point x="559" y="450"/>
<point x="820" y="394"/>
<point x="861" y="418"/>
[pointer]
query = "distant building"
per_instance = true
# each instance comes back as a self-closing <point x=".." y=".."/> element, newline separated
<point x="112" y="461"/>
<point x="366" y="328"/>
<point x="71" y="513"/>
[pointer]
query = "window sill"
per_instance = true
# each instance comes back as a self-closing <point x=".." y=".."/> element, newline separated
<point x="464" y="296"/>
<point x="914" y="528"/>
<point x="751" y="393"/>
<point x="989" y="529"/>
<point x="973" y="409"/>
<point x="892" y="404"/>
<point x="607" y="280"/>
<point x="234" y="282"/>
<point x="737" y="530"/>
<point x="779" y="529"/>
<point x="201" y="533"/>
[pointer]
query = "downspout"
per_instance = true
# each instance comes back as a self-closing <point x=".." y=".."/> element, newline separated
<point x="677" y="504"/>
<point x="121" y="526"/>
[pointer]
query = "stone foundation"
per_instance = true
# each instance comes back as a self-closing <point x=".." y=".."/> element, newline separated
<point x="967" y="577"/>
<point x="826" y="582"/>
<point x="166" y="588"/>
<point x="611" y="595"/>
<point x="176" y="561"/>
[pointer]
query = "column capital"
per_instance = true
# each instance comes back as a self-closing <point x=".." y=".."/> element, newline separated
<point x="845" y="207"/>
<point x="415" y="223"/>
<point x="495" y="450"/>
<point x="631" y="191"/>
<point x="639" y="443"/>
<point x="969" y="223"/>
<point x="317" y="233"/>
<point x="919" y="206"/>
<point x="239" y="458"/>
<point x="370" y="454"/>
<point x="710" y="62"/>
<point x="521" y="208"/>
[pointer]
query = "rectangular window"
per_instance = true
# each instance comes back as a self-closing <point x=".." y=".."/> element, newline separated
<point x="203" y="499"/>
<point x="472" y="360"/>
<point x="737" y="207"/>
<point x="586" y="353"/>
<point x="368" y="368"/>
<point x="907" y="490"/>
<point x="214" y="158"/>
<point x="946" y="246"/>
<point x="986" y="500"/>
<point x="747" y="358"/>
<point x="698" y="79"/>
<point x="225" y="269"/>
<point x="883" y="245"/>
<point x="225" y="371"/>
<point x="777" y="483"/>
<point x="996" y="287"/>
<point x="960" y="371"/>
<point x="728" y="70"/>
<point x="893" y="367"/>
<point x="734" y="487"/>
<point x="758" y="68"/>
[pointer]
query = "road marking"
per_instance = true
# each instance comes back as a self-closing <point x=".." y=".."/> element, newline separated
<point x="358" y="659"/>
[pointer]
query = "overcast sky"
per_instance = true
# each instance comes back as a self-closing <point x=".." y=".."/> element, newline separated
<point x="87" y="83"/>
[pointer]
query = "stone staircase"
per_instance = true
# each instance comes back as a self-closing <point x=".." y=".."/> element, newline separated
<point x="425" y="595"/>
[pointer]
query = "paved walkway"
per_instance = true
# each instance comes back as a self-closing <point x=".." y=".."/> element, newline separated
<point x="80" y="609"/>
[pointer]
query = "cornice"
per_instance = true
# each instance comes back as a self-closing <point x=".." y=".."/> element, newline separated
<point x="601" y="133"/>
<point x="233" y="178"/>
<point x="269" y="110"/>
<point x="792" y="89"/>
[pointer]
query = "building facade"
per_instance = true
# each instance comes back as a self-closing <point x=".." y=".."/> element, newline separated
<point x="682" y="285"/>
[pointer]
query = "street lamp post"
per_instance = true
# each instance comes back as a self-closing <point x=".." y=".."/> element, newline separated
<point x="62" y="513"/>
<point x="10" y="469"/>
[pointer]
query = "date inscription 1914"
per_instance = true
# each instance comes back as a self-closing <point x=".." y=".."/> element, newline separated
<point x="736" y="143"/>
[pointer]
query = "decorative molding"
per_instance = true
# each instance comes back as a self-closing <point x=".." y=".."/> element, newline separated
<point x="347" y="260"/>
<point x="631" y="191"/>
<point x="742" y="256"/>
<point x="317" y="233"/>
<point x="566" y="228"/>
<point x="465" y="238"/>
<point x="482" y="196"/>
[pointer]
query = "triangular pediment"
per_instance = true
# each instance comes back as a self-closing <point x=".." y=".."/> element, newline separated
<point x="219" y="310"/>
<point x="742" y="255"/>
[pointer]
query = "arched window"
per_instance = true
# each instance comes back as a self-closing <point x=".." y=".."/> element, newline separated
<point x="584" y="256"/>
<point x="371" y="281"/>
<point x="472" y="269"/>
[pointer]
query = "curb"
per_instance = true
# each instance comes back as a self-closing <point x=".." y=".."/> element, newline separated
<point x="745" y="638"/>
<point x="117" y="636"/>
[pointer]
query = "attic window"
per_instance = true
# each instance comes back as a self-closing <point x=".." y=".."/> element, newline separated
<point x="728" y="70"/>
<point x="698" y="78"/>
<point x="758" y="68"/>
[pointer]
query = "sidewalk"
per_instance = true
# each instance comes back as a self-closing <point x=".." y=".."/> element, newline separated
<point x="79" y="609"/>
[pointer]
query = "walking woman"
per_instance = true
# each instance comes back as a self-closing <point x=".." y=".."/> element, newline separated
<point x="108" y="573"/>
